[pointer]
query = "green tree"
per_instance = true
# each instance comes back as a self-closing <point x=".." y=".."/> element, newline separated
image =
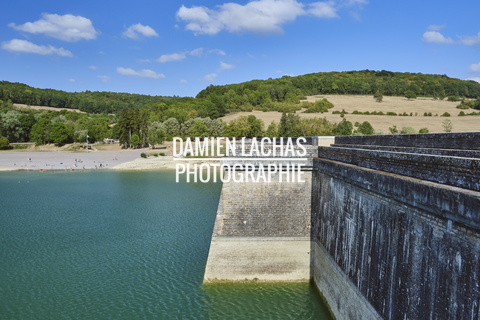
<point x="410" y="95"/>
<point x="320" y="106"/>
<point x="133" y="121"/>
<point x="60" y="133"/>
<point x="156" y="133"/>
<point x="289" y="125"/>
<point x="4" y="143"/>
<point x="393" y="129"/>
<point x="447" y="125"/>
<point x="272" y="130"/>
<point x="344" y="128"/>
<point x="476" y="104"/>
<point x="424" y="130"/>
<point x="135" y="141"/>
<point x="198" y="129"/>
<point x="172" y="128"/>
<point x="40" y="133"/>
<point x="215" y="127"/>
<point x="27" y="121"/>
<point x="408" y="130"/>
<point x="98" y="128"/>
<point x="378" y="96"/>
<point x="316" y="127"/>
<point x="365" y="128"/>
<point x="256" y="126"/>
<point x="238" y="127"/>
<point x="11" y="125"/>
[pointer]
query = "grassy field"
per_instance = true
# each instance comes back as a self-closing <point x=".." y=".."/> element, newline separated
<point x="389" y="104"/>
<point x="24" y="106"/>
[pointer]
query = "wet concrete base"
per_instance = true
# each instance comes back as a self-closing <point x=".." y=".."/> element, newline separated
<point x="343" y="298"/>
<point x="239" y="259"/>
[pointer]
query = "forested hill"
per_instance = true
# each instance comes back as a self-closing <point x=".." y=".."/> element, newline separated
<point x="365" y="82"/>
<point x="283" y="94"/>
<point x="92" y="102"/>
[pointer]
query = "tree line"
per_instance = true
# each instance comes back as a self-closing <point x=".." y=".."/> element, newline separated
<point x="150" y="125"/>
<point x="283" y="94"/>
<point x="141" y="120"/>
<point x="286" y="92"/>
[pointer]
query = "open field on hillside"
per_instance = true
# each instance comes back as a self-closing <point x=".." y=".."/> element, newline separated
<point x="381" y="123"/>
<point x="18" y="105"/>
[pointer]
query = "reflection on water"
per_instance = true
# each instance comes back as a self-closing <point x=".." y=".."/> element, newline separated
<point x="122" y="245"/>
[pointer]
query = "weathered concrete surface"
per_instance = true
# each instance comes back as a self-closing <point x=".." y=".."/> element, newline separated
<point x="455" y="171"/>
<point x="410" y="247"/>
<point x="258" y="259"/>
<point x="458" y="140"/>
<point x="262" y="209"/>
<point x="345" y="301"/>
<point x="262" y="232"/>
<point x="434" y="151"/>
<point x="325" y="141"/>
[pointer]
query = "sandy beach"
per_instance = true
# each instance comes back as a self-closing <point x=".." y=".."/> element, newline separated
<point x="103" y="157"/>
<point x="74" y="161"/>
<point x="57" y="160"/>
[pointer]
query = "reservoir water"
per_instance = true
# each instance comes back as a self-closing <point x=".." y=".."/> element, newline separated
<point x="122" y="245"/>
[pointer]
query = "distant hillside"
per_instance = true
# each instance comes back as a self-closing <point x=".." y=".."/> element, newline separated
<point x="258" y="93"/>
<point x="283" y="94"/>
<point x="92" y="102"/>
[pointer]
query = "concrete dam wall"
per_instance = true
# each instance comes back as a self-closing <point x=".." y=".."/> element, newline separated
<point x="396" y="226"/>
<point x="262" y="229"/>
<point x="386" y="227"/>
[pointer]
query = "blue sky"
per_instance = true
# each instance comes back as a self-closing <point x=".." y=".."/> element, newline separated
<point x="178" y="48"/>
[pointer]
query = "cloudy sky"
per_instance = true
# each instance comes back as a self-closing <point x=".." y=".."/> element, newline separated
<point x="173" y="47"/>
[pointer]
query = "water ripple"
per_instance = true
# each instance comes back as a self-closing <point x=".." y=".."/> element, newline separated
<point x="120" y="245"/>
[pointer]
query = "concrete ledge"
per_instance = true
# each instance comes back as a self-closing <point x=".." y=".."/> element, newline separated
<point x="446" y="202"/>
<point x="268" y="259"/>
<point x="432" y="151"/>
<point x="344" y="299"/>
<point x="453" y="171"/>
<point x="457" y="140"/>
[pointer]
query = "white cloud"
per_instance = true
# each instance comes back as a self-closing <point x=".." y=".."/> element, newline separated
<point x="134" y="31"/>
<point x="144" y="73"/>
<point x="261" y="16"/>
<point x="67" y="27"/>
<point x="18" y="45"/>
<point x="182" y="81"/>
<point x="172" y="57"/>
<point x="93" y="67"/>
<point x="196" y="52"/>
<point x="210" y="77"/>
<point x="257" y="16"/>
<point x="475" y="67"/>
<point x="436" y="37"/>
<point x="104" y="78"/>
<point x="435" y="27"/>
<point x="226" y="66"/>
<point x="323" y="10"/>
<point x="470" y="40"/>
<point x="71" y="80"/>
<point x="355" y="2"/>
<point x="218" y="51"/>
<point x="178" y="56"/>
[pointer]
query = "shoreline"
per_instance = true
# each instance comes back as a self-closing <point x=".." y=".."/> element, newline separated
<point x="124" y="160"/>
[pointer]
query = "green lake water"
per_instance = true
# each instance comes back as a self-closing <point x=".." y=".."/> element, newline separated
<point x="122" y="245"/>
